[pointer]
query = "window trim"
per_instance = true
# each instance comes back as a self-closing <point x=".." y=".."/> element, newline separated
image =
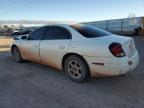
<point x="43" y="38"/>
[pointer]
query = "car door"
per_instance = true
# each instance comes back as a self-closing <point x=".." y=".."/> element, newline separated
<point x="54" y="44"/>
<point x="30" y="47"/>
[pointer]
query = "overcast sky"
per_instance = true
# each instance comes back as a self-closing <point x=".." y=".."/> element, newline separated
<point x="69" y="10"/>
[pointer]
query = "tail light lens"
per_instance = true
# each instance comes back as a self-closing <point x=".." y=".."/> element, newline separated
<point x="117" y="50"/>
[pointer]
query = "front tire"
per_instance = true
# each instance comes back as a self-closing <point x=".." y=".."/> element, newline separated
<point x="16" y="55"/>
<point x="76" y="68"/>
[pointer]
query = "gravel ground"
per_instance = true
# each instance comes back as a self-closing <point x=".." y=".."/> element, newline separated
<point x="31" y="85"/>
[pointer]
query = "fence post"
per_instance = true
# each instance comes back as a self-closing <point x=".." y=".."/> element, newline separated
<point x="107" y="25"/>
<point x="122" y="22"/>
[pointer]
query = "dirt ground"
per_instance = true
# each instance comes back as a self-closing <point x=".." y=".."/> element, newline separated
<point x="30" y="85"/>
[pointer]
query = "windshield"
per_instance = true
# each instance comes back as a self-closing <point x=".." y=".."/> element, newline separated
<point x="90" y="31"/>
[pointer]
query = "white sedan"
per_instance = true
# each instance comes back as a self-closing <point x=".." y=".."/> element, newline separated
<point x="80" y="50"/>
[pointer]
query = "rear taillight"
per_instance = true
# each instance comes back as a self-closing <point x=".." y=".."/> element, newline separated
<point x="117" y="50"/>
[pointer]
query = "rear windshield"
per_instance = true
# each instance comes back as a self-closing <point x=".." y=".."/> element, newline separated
<point x="90" y="31"/>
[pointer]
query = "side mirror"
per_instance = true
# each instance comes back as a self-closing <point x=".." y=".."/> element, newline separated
<point x="24" y="37"/>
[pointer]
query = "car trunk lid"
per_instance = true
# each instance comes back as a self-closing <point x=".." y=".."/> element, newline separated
<point x="127" y="43"/>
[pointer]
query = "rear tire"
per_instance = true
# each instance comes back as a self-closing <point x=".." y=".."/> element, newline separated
<point x="76" y="68"/>
<point x="17" y="55"/>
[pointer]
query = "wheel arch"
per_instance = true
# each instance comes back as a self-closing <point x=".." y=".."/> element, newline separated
<point x="70" y="54"/>
<point x="14" y="45"/>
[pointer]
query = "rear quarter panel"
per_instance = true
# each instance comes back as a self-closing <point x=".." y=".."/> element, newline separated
<point x="89" y="48"/>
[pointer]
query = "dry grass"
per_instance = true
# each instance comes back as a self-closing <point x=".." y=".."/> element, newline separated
<point x="5" y="44"/>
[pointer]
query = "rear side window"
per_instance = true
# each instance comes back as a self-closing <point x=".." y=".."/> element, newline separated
<point x="90" y="31"/>
<point x="37" y="34"/>
<point x="56" y="33"/>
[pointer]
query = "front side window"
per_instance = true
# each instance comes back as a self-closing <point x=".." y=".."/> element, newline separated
<point x="90" y="31"/>
<point x="37" y="34"/>
<point x="56" y="33"/>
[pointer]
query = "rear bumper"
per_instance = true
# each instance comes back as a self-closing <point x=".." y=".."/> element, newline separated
<point x="113" y="69"/>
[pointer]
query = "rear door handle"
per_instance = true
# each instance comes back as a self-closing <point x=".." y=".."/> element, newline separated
<point x="61" y="47"/>
<point x="35" y="45"/>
